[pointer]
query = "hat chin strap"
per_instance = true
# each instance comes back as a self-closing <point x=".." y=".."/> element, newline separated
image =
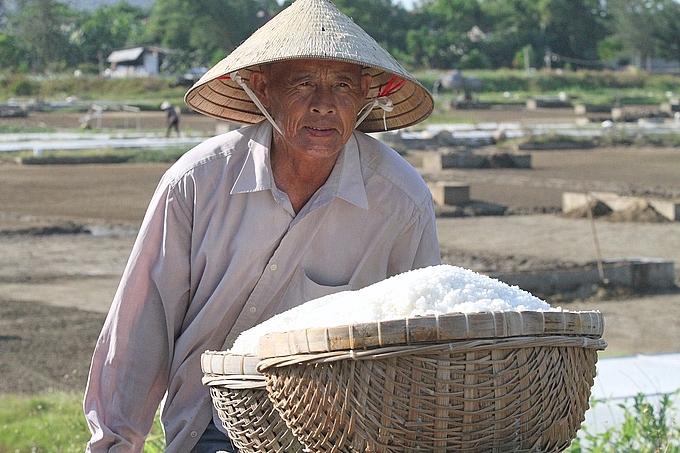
<point x="236" y="77"/>
<point x="384" y="102"/>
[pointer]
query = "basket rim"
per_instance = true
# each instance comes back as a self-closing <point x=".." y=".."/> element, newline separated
<point x="465" y="346"/>
<point x="431" y="329"/>
<point x="225" y="363"/>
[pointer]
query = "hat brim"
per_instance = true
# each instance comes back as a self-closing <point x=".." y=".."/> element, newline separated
<point x="222" y="98"/>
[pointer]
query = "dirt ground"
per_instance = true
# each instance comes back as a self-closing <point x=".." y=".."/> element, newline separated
<point x="66" y="232"/>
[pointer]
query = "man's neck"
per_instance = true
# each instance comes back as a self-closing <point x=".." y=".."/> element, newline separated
<point x="299" y="177"/>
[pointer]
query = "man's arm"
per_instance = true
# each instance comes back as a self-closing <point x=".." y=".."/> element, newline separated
<point x="131" y="362"/>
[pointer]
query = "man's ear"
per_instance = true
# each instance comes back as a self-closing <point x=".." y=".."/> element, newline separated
<point x="366" y="80"/>
<point x="258" y="83"/>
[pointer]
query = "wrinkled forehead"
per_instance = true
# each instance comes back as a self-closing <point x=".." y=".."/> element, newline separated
<point x="314" y="66"/>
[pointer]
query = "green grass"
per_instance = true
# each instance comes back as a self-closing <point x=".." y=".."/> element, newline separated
<point x="145" y="92"/>
<point x="96" y="156"/>
<point x="15" y="129"/>
<point x="52" y="423"/>
<point x="47" y="423"/>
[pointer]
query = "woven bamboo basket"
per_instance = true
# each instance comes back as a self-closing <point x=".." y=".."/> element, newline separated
<point x="238" y="393"/>
<point x="483" y="382"/>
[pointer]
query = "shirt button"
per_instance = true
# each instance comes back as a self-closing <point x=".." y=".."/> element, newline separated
<point x="253" y="309"/>
<point x="273" y="267"/>
<point x="193" y="434"/>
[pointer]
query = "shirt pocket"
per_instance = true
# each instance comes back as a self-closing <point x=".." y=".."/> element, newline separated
<point x="303" y="289"/>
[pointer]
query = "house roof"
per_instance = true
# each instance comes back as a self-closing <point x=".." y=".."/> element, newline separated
<point x="133" y="53"/>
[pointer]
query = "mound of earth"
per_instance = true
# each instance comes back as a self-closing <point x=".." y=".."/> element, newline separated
<point x="640" y="212"/>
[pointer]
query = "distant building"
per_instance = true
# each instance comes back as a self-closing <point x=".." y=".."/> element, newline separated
<point x="139" y="61"/>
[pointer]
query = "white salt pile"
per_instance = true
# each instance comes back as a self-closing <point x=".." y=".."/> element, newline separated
<point x="429" y="291"/>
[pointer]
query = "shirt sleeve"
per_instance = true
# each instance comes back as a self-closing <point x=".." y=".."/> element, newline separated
<point x="132" y="358"/>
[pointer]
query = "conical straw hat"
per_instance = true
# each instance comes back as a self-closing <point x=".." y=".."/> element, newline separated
<point x="314" y="29"/>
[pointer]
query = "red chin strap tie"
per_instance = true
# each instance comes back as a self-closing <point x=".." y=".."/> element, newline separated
<point x="393" y="85"/>
<point x="382" y="100"/>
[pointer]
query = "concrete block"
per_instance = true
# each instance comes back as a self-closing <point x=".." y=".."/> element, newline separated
<point x="448" y="193"/>
<point x="418" y="143"/>
<point x="436" y="160"/>
<point x="572" y="201"/>
<point x="667" y="208"/>
<point x="636" y="273"/>
<point x="669" y="107"/>
<point x="652" y="273"/>
<point x="461" y="160"/>
<point x="582" y="109"/>
<point x="620" y="203"/>
<point x="522" y="160"/>
<point x="432" y="161"/>
<point x="547" y="102"/>
<point x="567" y="280"/>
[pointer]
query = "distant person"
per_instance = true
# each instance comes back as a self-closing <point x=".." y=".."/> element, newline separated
<point x="94" y="112"/>
<point x="172" y="119"/>
<point x="298" y="204"/>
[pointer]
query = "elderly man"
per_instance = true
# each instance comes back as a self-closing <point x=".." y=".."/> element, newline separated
<point x="256" y="221"/>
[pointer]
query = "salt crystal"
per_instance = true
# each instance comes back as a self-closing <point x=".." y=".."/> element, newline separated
<point x="434" y="290"/>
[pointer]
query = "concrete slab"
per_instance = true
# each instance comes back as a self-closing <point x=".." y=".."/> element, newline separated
<point x="636" y="273"/>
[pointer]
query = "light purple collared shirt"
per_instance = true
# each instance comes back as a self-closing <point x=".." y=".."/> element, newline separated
<point x="220" y="250"/>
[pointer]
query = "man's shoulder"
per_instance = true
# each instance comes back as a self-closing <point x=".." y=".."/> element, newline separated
<point x="383" y="161"/>
<point x="218" y="151"/>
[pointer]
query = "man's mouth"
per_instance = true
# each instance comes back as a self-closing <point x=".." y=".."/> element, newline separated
<point x="320" y="131"/>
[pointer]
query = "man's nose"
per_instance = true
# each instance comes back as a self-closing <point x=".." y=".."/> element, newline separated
<point x="322" y="101"/>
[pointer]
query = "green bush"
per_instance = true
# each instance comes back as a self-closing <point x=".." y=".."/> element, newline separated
<point x="24" y="87"/>
<point x="645" y="429"/>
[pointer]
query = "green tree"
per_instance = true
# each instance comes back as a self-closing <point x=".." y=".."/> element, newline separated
<point x="515" y="24"/>
<point x="634" y="23"/>
<point x="10" y="53"/>
<point x="666" y="30"/>
<point x="42" y="30"/>
<point x="209" y="27"/>
<point x="573" y="28"/>
<point x="447" y="31"/>
<point x="106" y="29"/>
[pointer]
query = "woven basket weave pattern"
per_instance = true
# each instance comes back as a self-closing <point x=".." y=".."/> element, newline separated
<point x="499" y="396"/>
<point x="239" y="395"/>
<point x="251" y="421"/>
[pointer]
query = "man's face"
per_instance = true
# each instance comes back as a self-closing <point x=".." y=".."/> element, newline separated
<point x="314" y="102"/>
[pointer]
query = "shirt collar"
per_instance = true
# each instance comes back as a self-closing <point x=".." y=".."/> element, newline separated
<point x="256" y="173"/>
<point x="345" y="181"/>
